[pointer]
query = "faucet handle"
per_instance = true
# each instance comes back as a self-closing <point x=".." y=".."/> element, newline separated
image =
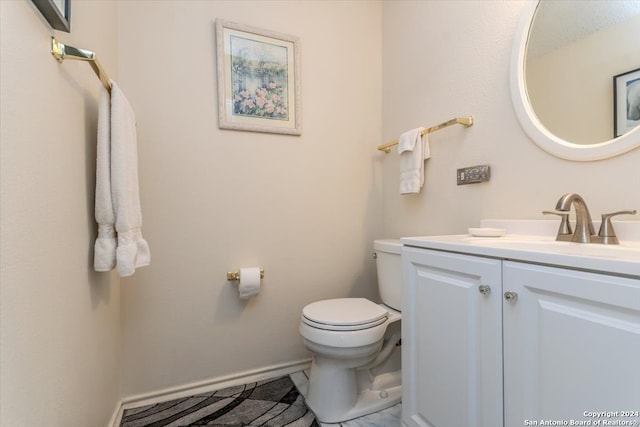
<point x="606" y="234"/>
<point x="564" y="231"/>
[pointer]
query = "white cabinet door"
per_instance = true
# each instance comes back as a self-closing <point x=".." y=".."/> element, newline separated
<point x="452" y="340"/>
<point x="571" y="346"/>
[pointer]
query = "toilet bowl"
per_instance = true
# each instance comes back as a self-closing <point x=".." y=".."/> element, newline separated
<point x="356" y="346"/>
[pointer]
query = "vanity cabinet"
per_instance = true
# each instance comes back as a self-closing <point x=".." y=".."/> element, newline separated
<point x="572" y="344"/>
<point x="490" y="342"/>
<point x="451" y="340"/>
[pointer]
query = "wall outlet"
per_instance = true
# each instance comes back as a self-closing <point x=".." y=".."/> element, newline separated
<point x="473" y="174"/>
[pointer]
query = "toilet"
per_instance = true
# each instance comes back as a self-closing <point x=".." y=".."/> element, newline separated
<point x="356" y="346"/>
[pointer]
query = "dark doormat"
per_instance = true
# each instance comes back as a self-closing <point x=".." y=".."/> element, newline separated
<point x="272" y="403"/>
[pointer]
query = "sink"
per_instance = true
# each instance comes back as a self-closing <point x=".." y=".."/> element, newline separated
<point x="625" y="250"/>
<point x="534" y="241"/>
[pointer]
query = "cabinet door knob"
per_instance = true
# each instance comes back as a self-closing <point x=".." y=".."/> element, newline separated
<point x="511" y="296"/>
<point x="484" y="289"/>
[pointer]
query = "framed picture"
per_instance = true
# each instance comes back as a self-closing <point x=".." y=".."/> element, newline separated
<point x="258" y="79"/>
<point x="56" y="12"/>
<point x="626" y="102"/>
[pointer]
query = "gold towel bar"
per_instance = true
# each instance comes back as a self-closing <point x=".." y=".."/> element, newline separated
<point x="61" y="52"/>
<point x="464" y="121"/>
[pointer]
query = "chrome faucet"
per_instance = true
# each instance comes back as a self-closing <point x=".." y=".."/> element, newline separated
<point x="584" y="231"/>
<point x="584" y="225"/>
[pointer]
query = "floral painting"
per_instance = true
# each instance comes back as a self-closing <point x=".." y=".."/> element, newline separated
<point x="257" y="79"/>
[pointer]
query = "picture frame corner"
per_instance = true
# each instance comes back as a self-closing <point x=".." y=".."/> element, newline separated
<point x="621" y="102"/>
<point x="56" y="13"/>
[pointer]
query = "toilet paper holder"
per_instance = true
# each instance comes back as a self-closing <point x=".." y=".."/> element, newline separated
<point x="235" y="275"/>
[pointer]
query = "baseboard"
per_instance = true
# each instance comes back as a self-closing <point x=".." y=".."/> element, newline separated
<point x="206" y="386"/>
<point x="116" y="417"/>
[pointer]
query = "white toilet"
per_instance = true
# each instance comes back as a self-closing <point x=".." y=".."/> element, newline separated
<point x="356" y="346"/>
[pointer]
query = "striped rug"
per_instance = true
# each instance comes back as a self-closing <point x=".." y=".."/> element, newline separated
<point x="272" y="403"/>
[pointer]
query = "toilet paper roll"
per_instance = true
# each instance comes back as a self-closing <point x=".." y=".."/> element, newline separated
<point x="249" y="282"/>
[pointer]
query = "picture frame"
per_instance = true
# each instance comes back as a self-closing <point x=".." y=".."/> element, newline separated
<point x="626" y="102"/>
<point x="258" y="79"/>
<point x="56" y="12"/>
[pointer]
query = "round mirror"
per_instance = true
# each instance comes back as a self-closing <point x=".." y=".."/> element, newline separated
<point x="575" y="77"/>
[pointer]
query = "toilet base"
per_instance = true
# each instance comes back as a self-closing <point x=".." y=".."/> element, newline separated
<point x="368" y="401"/>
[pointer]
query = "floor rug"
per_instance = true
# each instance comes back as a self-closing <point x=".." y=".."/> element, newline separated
<point x="270" y="403"/>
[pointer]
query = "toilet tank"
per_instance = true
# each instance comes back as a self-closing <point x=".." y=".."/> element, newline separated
<point x="389" y="266"/>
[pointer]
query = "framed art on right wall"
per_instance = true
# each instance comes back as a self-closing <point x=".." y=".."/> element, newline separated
<point x="626" y="102"/>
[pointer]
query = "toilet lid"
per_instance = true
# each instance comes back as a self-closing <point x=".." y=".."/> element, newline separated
<point x="347" y="313"/>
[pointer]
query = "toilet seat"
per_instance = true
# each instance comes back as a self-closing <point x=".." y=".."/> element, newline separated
<point x="344" y="322"/>
<point x="343" y="328"/>
<point x="344" y="314"/>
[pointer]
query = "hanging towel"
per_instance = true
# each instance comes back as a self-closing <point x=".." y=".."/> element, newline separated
<point x="414" y="150"/>
<point x="104" y="257"/>
<point x="132" y="250"/>
<point x="117" y="206"/>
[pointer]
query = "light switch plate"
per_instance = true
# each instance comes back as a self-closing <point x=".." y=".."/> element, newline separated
<point x="473" y="174"/>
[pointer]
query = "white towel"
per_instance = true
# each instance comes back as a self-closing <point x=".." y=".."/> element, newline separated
<point x="414" y="150"/>
<point x="104" y="258"/>
<point x="133" y="250"/>
<point x="120" y="157"/>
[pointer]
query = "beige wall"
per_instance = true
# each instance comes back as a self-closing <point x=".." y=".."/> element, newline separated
<point x="440" y="60"/>
<point x="305" y="208"/>
<point x="60" y="321"/>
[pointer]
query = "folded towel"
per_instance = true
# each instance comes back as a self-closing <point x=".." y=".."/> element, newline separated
<point x="132" y="250"/>
<point x="104" y="258"/>
<point x="413" y="149"/>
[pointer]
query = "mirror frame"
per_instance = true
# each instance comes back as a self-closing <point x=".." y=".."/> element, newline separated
<point x="532" y="125"/>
